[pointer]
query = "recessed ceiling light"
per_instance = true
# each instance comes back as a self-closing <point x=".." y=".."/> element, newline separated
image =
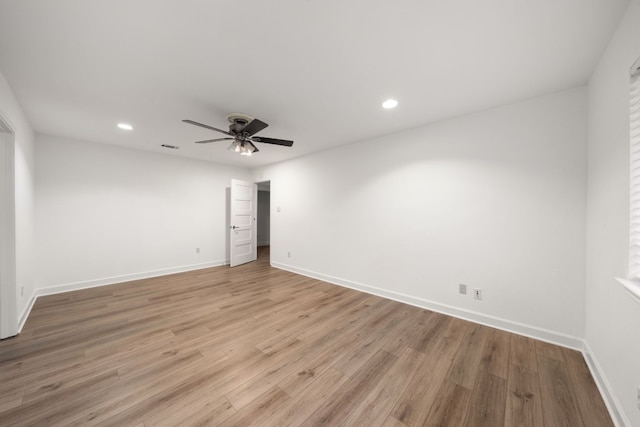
<point x="125" y="126"/>
<point x="390" y="103"/>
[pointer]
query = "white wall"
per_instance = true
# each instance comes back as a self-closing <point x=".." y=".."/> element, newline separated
<point x="612" y="318"/>
<point x="495" y="200"/>
<point x="12" y="113"/>
<point x="106" y="214"/>
<point x="264" y="217"/>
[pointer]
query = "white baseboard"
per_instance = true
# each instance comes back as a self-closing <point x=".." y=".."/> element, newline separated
<point x="27" y="310"/>
<point x="75" y="286"/>
<point x="67" y="287"/>
<point x="472" y="316"/>
<point x="606" y="391"/>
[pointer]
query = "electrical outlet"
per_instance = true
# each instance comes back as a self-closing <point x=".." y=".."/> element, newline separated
<point x="197" y="250"/>
<point x="477" y="293"/>
<point x="638" y="397"/>
<point x="288" y="254"/>
<point x="462" y="288"/>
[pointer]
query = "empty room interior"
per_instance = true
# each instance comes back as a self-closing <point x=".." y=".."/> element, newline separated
<point x="320" y="213"/>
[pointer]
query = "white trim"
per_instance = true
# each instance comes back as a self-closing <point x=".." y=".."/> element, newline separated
<point x="8" y="293"/>
<point x="94" y="283"/>
<point x="27" y="310"/>
<point x="75" y="286"/>
<point x="606" y="391"/>
<point x="553" y="337"/>
<point x="631" y="286"/>
<point x="634" y="174"/>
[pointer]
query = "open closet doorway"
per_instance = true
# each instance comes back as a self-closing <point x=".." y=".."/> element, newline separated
<point x="264" y="220"/>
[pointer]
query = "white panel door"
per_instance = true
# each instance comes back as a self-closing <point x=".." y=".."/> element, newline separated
<point x="243" y="242"/>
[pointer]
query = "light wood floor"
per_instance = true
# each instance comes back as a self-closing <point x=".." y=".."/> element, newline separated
<point x="259" y="346"/>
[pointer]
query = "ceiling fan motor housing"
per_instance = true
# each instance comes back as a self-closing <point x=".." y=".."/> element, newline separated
<point x="238" y="122"/>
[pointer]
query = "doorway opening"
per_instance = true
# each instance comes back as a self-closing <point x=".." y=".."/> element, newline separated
<point x="264" y="220"/>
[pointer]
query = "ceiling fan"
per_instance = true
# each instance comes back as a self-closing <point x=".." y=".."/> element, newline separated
<point x="242" y="129"/>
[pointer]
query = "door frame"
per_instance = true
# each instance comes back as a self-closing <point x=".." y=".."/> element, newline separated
<point x="8" y="294"/>
<point x="258" y="212"/>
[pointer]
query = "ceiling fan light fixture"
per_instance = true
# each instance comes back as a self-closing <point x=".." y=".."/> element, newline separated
<point x="235" y="146"/>
<point x="247" y="148"/>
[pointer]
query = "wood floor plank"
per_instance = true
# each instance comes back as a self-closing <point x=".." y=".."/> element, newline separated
<point x="205" y="411"/>
<point x="393" y="422"/>
<point x="375" y="338"/>
<point x="415" y="403"/>
<point x="449" y="406"/>
<point x="408" y="336"/>
<point x="288" y="370"/>
<point x="290" y="367"/>
<point x="259" y="380"/>
<point x="430" y="332"/>
<point x="376" y="405"/>
<point x="487" y="404"/>
<point x="524" y="408"/>
<point x="142" y="394"/>
<point x="54" y="408"/>
<point x="465" y="366"/>
<point x="549" y="350"/>
<point x="336" y="346"/>
<point x="10" y="399"/>
<point x="194" y="404"/>
<point x="259" y="410"/>
<point x="592" y="408"/>
<point x="254" y="345"/>
<point x="559" y="407"/>
<point x="495" y="358"/>
<point x="523" y="352"/>
<point x="338" y="317"/>
<point x="336" y="409"/>
<point x="300" y="407"/>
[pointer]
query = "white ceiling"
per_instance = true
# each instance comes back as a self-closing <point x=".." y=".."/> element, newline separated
<point x="315" y="70"/>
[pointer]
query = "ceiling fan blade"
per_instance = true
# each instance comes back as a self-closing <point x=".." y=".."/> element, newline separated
<point x="212" y="140"/>
<point x="274" y="141"/>
<point x="191" y="122"/>
<point x="254" y="126"/>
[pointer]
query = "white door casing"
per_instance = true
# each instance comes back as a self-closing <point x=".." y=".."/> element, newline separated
<point x="242" y="231"/>
<point x="8" y="301"/>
